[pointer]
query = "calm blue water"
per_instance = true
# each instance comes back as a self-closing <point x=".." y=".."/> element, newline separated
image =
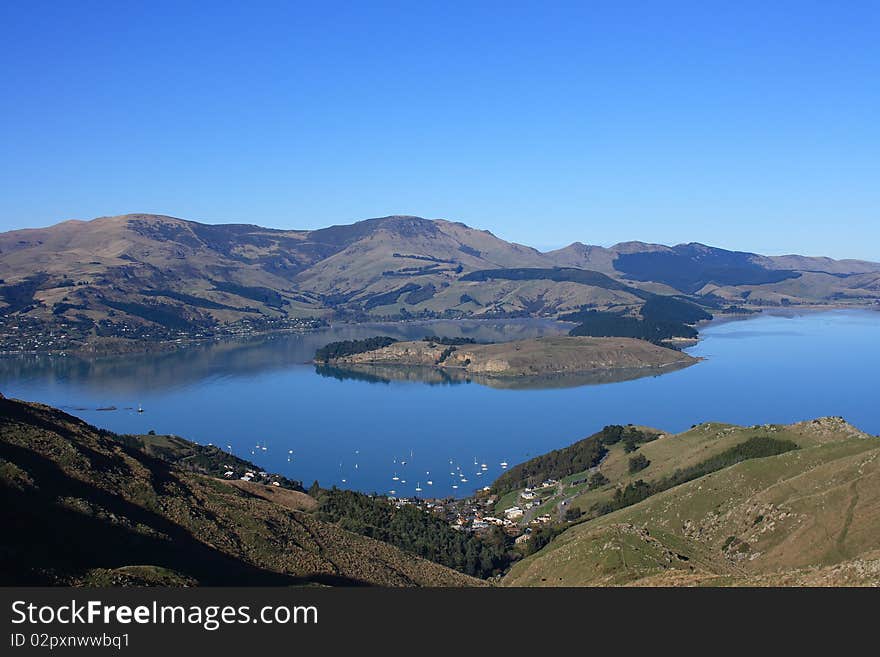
<point x="764" y="369"/>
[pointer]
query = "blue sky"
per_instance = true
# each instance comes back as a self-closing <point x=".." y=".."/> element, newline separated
<point x="744" y="125"/>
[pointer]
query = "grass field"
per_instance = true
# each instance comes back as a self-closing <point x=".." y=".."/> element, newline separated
<point x="806" y="516"/>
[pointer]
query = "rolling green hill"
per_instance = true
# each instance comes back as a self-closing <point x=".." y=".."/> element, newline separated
<point x="725" y="505"/>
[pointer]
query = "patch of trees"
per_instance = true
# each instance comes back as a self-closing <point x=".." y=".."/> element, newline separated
<point x="448" y="341"/>
<point x="422" y="257"/>
<point x="163" y="314"/>
<point x="606" y="324"/>
<point x="61" y="308"/>
<point x="198" y="302"/>
<point x="556" y="274"/>
<point x="602" y="324"/>
<point x="630" y="436"/>
<point x="633" y="493"/>
<point x="390" y="297"/>
<point x="446" y="353"/>
<point x="753" y="448"/>
<point x="663" y="317"/>
<point x="638" y="463"/>
<point x="264" y="295"/>
<point x="580" y="456"/>
<point x="339" y="298"/>
<point x="416" y="531"/>
<point x="350" y="347"/>
<point x="671" y="309"/>
<point x="424" y="293"/>
<point x="412" y="271"/>
<point x="20" y="295"/>
<point x="541" y="537"/>
<point x="573" y="513"/>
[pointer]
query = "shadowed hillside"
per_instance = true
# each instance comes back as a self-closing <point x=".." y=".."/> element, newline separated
<point x="83" y="506"/>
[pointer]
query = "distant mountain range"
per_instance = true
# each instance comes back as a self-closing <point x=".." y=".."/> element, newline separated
<point x="129" y="275"/>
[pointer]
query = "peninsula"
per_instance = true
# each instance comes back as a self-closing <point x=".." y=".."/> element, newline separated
<point x="539" y="357"/>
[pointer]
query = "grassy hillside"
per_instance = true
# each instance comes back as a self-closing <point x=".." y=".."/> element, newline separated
<point x="807" y="515"/>
<point x="547" y="356"/>
<point x="82" y="506"/>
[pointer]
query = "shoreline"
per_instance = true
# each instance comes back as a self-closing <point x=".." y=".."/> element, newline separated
<point x="147" y="347"/>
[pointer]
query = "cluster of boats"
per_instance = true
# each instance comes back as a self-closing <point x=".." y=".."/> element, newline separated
<point x="456" y="472"/>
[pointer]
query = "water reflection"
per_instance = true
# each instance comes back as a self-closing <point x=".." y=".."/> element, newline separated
<point x="346" y="430"/>
<point x="242" y="358"/>
<point x="451" y="376"/>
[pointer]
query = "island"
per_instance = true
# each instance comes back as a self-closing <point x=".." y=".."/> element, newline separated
<point x="538" y="358"/>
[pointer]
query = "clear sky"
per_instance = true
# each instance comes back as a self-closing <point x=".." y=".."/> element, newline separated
<point x="744" y="125"/>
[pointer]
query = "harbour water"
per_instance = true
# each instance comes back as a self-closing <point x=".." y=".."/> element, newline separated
<point x="358" y="432"/>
